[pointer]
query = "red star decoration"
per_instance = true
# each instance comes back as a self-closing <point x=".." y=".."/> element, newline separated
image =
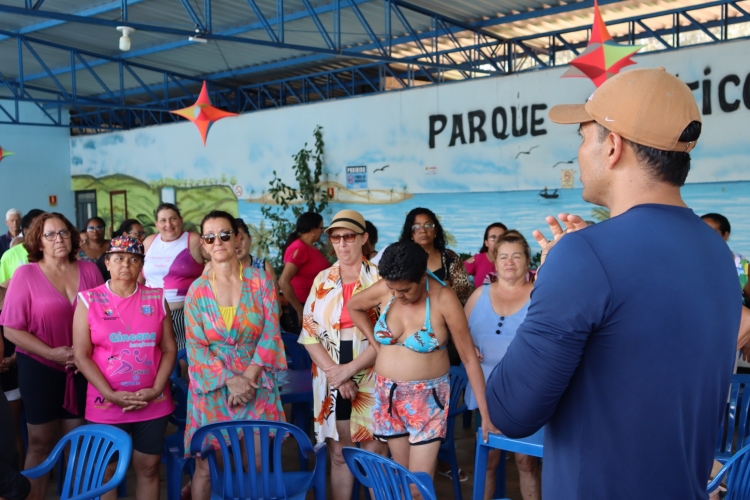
<point x="603" y="58"/>
<point x="203" y="114"/>
<point x="4" y="153"/>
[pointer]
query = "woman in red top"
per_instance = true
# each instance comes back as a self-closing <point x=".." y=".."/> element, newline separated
<point x="483" y="263"/>
<point x="302" y="262"/>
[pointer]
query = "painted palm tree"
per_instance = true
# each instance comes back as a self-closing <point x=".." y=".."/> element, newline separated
<point x="368" y="192"/>
<point x="390" y="192"/>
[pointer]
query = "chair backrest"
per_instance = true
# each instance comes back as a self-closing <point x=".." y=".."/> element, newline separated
<point x="459" y="380"/>
<point x="296" y="352"/>
<point x="736" y="475"/>
<point x="735" y="418"/>
<point x="179" y="391"/>
<point x="92" y="447"/>
<point x="387" y="479"/>
<point x="268" y="482"/>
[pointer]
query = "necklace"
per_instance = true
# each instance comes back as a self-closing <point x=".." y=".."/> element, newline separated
<point x="119" y="316"/>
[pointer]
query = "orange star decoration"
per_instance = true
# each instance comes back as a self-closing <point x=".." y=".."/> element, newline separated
<point x="203" y="114"/>
<point x="4" y="153"/>
<point x="603" y="57"/>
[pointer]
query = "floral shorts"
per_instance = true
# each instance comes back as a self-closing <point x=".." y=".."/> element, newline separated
<point x="414" y="408"/>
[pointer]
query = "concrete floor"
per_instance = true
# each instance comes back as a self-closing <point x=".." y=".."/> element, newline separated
<point x="465" y="445"/>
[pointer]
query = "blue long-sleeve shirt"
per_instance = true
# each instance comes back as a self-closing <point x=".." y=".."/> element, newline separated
<point x="626" y="355"/>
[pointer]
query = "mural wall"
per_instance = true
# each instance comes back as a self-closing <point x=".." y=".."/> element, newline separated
<point x="475" y="152"/>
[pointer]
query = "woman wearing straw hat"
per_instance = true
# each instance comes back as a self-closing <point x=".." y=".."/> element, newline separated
<point x="343" y="379"/>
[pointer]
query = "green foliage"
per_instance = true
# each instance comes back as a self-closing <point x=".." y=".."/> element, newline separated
<point x="536" y="259"/>
<point x="600" y="213"/>
<point x="308" y="196"/>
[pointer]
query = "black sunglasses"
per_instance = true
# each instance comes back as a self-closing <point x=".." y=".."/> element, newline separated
<point x="211" y="237"/>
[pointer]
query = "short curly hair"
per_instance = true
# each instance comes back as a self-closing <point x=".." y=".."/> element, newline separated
<point x="33" y="239"/>
<point x="403" y="261"/>
<point x="406" y="233"/>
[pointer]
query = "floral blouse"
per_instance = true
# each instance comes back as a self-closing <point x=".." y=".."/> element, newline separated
<point x="216" y="353"/>
<point x="320" y="325"/>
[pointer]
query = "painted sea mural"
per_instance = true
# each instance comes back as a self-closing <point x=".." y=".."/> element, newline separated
<point x="474" y="152"/>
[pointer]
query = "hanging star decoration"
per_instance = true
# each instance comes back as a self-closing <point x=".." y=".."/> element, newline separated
<point x="603" y="57"/>
<point x="4" y="153"/>
<point x="203" y="114"/>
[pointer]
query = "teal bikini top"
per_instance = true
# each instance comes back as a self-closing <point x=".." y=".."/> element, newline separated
<point x="423" y="341"/>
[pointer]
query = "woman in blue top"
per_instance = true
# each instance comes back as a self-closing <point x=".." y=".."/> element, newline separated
<point x="419" y="314"/>
<point x="495" y="311"/>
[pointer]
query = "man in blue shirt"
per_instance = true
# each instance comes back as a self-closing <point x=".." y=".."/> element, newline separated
<point x="628" y="347"/>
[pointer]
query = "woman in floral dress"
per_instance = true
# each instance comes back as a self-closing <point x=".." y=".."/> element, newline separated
<point x="234" y="346"/>
<point x="343" y="378"/>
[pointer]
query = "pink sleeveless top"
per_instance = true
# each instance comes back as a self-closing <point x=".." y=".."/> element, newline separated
<point x="127" y="357"/>
<point x="169" y="265"/>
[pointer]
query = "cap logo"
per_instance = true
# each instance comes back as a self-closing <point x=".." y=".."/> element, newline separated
<point x="606" y="119"/>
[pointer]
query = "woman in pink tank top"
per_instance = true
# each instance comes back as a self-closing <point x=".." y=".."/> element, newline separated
<point x="174" y="260"/>
<point x="124" y="345"/>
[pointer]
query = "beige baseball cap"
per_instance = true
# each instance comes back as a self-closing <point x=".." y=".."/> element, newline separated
<point x="646" y="106"/>
<point x="350" y="219"/>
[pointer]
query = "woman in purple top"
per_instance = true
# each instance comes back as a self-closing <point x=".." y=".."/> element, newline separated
<point x="38" y="318"/>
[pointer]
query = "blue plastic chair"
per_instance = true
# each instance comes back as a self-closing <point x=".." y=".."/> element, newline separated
<point x="271" y="482"/>
<point x="735" y="419"/>
<point x="447" y="451"/>
<point x="737" y="472"/>
<point x="91" y="449"/>
<point x="300" y="359"/>
<point x="387" y="479"/>
<point x="174" y="447"/>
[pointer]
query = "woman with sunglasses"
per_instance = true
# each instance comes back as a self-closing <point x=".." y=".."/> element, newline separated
<point x="423" y="227"/>
<point x="173" y="261"/>
<point x="95" y="244"/>
<point x="38" y="319"/>
<point x="343" y="386"/>
<point x="234" y="345"/>
<point x="131" y="228"/>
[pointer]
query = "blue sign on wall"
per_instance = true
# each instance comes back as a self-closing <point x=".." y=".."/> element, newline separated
<point x="356" y="177"/>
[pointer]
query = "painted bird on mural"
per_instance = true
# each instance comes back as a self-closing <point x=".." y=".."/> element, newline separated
<point x="4" y="153"/>
<point x="569" y="162"/>
<point x="526" y="152"/>
<point x="380" y="169"/>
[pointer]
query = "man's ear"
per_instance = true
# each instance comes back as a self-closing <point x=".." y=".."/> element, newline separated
<point x="613" y="148"/>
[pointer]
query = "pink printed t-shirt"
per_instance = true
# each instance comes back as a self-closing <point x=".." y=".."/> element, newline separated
<point x="309" y="262"/>
<point x="33" y="304"/>
<point x="480" y="268"/>
<point x="126" y="350"/>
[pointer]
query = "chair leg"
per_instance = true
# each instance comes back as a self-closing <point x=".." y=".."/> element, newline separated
<point x="480" y="468"/>
<point x="453" y="460"/>
<point x="319" y="482"/>
<point x="467" y="418"/>
<point x="122" y="488"/>
<point x="500" y="476"/>
<point x="174" y="478"/>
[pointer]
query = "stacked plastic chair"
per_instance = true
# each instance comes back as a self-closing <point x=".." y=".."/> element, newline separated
<point x="386" y="479"/>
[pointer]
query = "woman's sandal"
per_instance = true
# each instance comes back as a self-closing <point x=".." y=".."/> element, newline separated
<point x="462" y="476"/>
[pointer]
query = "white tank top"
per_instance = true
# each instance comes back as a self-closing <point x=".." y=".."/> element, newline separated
<point x="169" y="265"/>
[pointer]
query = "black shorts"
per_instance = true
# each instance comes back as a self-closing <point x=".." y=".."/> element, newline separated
<point x="148" y="436"/>
<point x="9" y="379"/>
<point x="344" y="406"/>
<point x="43" y="391"/>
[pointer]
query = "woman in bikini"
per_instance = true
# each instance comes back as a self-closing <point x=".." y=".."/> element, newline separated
<point x="412" y="386"/>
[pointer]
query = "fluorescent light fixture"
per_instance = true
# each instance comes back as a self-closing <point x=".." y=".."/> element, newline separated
<point x="197" y="39"/>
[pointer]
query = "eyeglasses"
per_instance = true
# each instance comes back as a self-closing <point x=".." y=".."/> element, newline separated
<point x="348" y="237"/>
<point x="95" y="228"/>
<point x="211" y="237"/>
<point x="137" y="234"/>
<point x="52" y="236"/>
<point x="427" y="227"/>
